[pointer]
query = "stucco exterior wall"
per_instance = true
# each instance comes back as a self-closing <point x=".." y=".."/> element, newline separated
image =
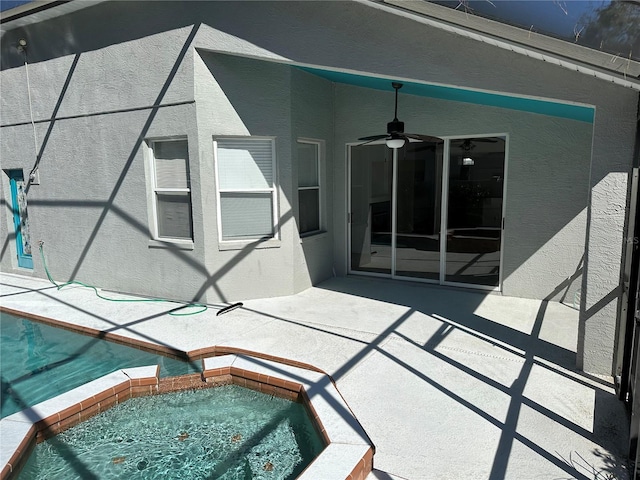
<point x="335" y="39"/>
<point x="247" y="98"/>
<point x="312" y="119"/>
<point x="94" y="107"/>
<point x="547" y="180"/>
<point x="240" y="96"/>
<point x="610" y="181"/>
<point x="567" y="181"/>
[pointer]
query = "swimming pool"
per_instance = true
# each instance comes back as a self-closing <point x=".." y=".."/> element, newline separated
<point x="348" y="452"/>
<point x="40" y="361"/>
<point x="227" y="432"/>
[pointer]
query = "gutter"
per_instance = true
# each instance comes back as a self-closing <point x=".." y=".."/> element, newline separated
<point x="29" y="8"/>
<point x="39" y="11"/>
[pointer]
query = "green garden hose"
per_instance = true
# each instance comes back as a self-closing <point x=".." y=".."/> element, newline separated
<point x="201" y="307"/>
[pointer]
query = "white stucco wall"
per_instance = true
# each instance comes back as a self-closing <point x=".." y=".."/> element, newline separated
<point x="312" y="119"/>
<point x="335" y="39"/>
<point x="93" y="110"/>
<point x="256" y="99"/>
<point x="547" y="180"/>
<point x="558" y="188"/>
<point x="239" y="96"/>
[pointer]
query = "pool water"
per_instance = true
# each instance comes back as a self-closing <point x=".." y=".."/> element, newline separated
<point x="40" y="361"/>
<point x="226" y="433"/>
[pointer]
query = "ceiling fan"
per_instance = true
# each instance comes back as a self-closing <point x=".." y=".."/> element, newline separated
<point x="468" y="144"/>
<point x="395" y="136"/>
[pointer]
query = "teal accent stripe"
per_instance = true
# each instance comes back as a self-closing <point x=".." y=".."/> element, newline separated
<point x="531" y="105"/>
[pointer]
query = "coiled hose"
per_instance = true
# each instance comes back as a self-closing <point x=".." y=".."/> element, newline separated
<point x="200" y="306"/>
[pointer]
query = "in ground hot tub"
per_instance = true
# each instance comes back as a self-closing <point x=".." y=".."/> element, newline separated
<point x="227" y="432"/>
<point x="347" y="453"/>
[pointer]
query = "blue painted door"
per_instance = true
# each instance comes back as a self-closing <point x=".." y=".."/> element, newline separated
<point x="20" y="218"/>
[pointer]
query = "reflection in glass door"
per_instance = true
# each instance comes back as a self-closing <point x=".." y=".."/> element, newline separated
<point x="371" y="189"/>
<point x="418" y="216"/>
<point x="432" y="218"/>
<point x="20" y="217"/>
<point x="474" y="214"/>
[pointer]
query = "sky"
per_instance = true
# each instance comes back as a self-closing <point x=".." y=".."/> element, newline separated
<point x="7" y="4"/>
<point x="597" y="24"/>
<point x="553" y="16"/>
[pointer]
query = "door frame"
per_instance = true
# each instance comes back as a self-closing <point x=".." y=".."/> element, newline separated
<point x="443" y="215"/>
<point x="445" y="205"/>
<point x="350" y="215"/>
<point x="24" y="260"/>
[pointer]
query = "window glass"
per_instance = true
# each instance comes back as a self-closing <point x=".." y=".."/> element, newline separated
<point x="309" y="205"/>
<point x="309" y="187"/>
<point x="307" y="165"/>
<point x="174" y="215"/>
<point x="172" y="194"/>
<point x="246" y="215"/>
<point x="247" y="202"/>
<point x="171" y="164"/>
<point x="245" y="164"/>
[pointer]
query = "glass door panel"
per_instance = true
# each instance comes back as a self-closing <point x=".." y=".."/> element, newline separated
<point x="474" y="213"/>
<point x="419" y="210"/>
<point x="20" y="218"/>
<point x="371" y="190"/>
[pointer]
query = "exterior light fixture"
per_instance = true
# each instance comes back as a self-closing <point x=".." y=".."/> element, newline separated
<point x="468" y="161"/>
<point x="395" y="142"/>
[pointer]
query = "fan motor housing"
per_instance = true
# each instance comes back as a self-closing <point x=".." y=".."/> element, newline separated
<point x="395" y="126"/>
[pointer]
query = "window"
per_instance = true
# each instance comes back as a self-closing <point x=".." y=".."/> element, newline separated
<point x="308" y="187"/>
<point x="246" y="188"/>
<point x="171" y="190"/>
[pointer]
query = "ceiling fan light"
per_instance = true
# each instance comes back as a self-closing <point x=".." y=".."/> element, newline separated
<point x="395" y="142"/>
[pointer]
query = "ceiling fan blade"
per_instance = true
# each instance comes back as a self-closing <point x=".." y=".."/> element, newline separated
<point x="371" y="138"/>
<point x="422" y="138"/>
<point x="367" y="142"/>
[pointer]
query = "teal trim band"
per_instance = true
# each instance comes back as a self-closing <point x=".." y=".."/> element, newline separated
<point x="544" y="107"/>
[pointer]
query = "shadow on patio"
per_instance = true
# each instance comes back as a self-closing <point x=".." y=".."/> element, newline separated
<point x="447" y="383"/>
<point x="455" y="384"/>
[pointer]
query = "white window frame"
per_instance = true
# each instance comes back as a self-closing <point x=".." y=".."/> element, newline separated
<point x="273" y="190"/>
<point x="153" y="190"/>
<point x="320" y="150"/>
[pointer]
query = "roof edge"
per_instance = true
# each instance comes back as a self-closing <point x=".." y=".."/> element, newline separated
<point x="28" y="9"/>
<point x="38" y="11"/>
<point x="608" y="67"/>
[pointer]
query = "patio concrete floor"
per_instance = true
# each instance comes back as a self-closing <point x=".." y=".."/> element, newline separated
<point x="448" y="384"/>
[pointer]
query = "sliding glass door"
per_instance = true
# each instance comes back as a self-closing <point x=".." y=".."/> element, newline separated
<point x="371" y="195"/>
<point x="432" y="212"/>
<point x="418" y="217"/>
<point x="474" y="213"/>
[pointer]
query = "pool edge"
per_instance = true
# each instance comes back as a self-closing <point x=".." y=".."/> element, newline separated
<point x="348" y="453"/>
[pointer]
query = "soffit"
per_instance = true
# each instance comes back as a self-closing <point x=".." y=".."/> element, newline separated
<point x="572" y="111"/>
